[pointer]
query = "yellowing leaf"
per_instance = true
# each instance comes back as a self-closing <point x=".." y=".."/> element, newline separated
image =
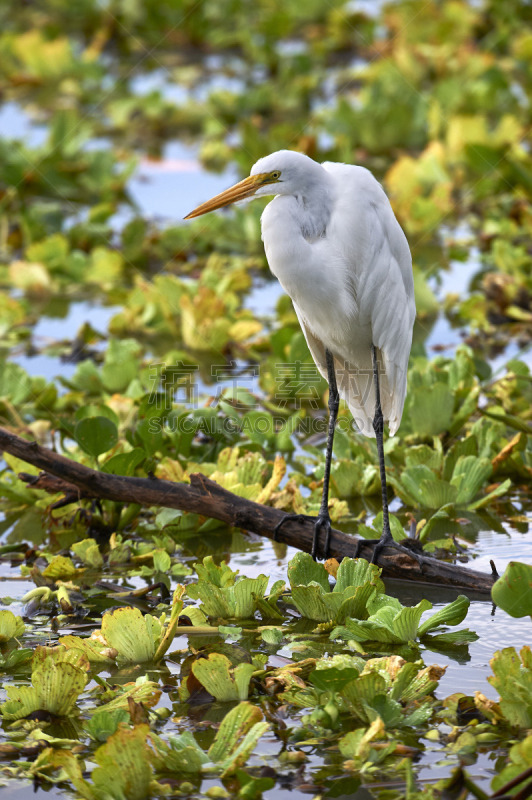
<point x="220" y="679"/>
<point x="205" y="325"/>
<point x="421" y="188"/>
<point x="61" y="567"/>
<point x="11" y="627"/>
<point x="58" y="678"/>
<point x="30" y="278"/>
<point x="94" y="649"/>
<point x="131" y="634"/>
<point x="142" y="691"/>
<point x="88" y="551"/>
<point x="171" y="470"/>
<point x="234" y="725"/>
<point x="124" y="768"/>
<point x="244" y="329"/>
<point x="279" y="470"/>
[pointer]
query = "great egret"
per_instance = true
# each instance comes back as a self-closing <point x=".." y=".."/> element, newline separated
<point x="333" y="242"/>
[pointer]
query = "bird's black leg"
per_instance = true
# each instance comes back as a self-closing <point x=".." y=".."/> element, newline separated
<point x="323" y="519"/>
<point x="378" y="427"/>
<point x="386" y="539"/>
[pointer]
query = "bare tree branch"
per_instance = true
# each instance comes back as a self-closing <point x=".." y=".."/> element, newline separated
<point x="205" y="497"/>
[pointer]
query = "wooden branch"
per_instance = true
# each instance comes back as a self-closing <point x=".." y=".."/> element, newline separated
<point x="205" y="497"/>
<point x="52" y="485"/>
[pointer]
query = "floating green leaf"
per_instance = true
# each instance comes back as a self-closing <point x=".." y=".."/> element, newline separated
<point x="104" y="723"/>
<point x="96" y="435"/>
<point x="220" y="679"/>
<point x="223" y="595"/>
<point x="512" y="678"/>
<point x="391" y="623"/>
<point x="513" y="591"/>
<point x="11" y="627"/>
<point x="58" y="677"/>
<point x="356" y="582"/>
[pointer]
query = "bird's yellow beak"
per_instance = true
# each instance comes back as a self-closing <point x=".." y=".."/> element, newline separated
<point x="239" y="191"/>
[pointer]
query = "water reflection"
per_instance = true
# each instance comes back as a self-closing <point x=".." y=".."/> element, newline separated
<point x="169" y="189"/>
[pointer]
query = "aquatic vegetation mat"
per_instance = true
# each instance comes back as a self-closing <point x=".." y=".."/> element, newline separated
<point x="149" y="652"/>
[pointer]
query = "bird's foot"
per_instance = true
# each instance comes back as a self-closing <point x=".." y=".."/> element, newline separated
<point x="289" y="518"/>
<point x="387" y="540"/>
<point x="323" y="520"/>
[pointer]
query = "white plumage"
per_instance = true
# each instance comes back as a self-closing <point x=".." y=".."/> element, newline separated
<point x="333" y="242"/>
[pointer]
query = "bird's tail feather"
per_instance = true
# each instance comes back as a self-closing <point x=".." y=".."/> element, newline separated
<point x="356" y="386"/>
<point x="355" y="382"/>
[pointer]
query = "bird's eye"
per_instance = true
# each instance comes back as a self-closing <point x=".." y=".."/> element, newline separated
<point x="275" y="175"/>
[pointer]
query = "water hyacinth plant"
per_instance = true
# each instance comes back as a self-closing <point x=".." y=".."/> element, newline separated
<point x="356" y="583"/>
<point x="129" y="636"/>
<point x="148" y="651"/>
<point x="392" y="623"/>
<point x="222" y="594"/>
<point x="57" y="679"/>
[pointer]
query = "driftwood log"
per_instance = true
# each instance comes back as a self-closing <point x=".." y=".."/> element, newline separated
<point x="205" y="497"/>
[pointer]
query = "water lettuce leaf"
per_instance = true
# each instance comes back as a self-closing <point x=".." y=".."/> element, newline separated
<point x="520" y="759"/>
<point x="236" y="738"/>
<point x="104" y="723"/>
<point x="512" y="678"/>
<point x="58" y="677"/>
<point x="224" y="682"/>
<point x="94" y="647"/>
<point x="420" y="485"/>
<point x="222" y="594"/>
<point x="357" y="745"/>
<point x="393" y="690"/>
<point x="180" y="754"/>
<point x="141" y="691"/>
<point x="357" y="582"/>
<point x="392" y="623"/>
<point x="124" y="771"/>
<point x="513" y="590"/>
<point x="11" y="627"/>
<point x="453" y="614"/>
<point x="89" y="553"/>
<point x="129" y="636"/>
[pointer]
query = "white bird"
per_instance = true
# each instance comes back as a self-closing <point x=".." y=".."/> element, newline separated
<point x="333" y="242"/>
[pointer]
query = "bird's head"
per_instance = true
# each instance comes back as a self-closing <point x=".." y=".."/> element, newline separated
<point x="283" y="172"/>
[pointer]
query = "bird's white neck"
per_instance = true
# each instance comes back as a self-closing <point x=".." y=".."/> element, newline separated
<point x="314" y="205"/>
<point x="306" y="211"/>
<point x="313" y="212"/>
<point x="293" y="225"/>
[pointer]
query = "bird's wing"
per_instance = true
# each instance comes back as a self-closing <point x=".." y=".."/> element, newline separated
<point x="315" y="345"/>
<point x="377" y="258"/>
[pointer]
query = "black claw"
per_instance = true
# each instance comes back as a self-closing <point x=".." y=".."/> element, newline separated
<point x="358" y="545"/>
<point x="287" y="518"/>
<point x="385" y="541"/>
<point x="376" y="552"/>
<point x="321" y="521"/>
<point x="381" y="544"/>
